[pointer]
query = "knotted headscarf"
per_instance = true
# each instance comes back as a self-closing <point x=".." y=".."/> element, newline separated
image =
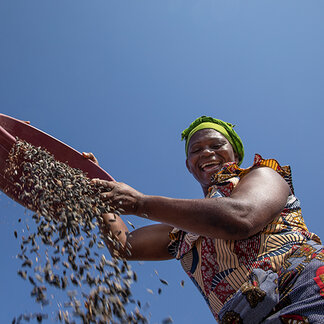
<point x="220" y="126"/>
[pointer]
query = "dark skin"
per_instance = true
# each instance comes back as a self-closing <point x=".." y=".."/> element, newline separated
<point x="208" y="150"/>
<point x="257" y="199"/>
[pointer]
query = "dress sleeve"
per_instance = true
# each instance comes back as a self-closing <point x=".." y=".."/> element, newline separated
<point x="181" y="242"/>
<point x="232" y="170"/>
<point x="175" y="241"/>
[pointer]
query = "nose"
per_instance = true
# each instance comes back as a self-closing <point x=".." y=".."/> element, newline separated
<point x="207" y="151"/>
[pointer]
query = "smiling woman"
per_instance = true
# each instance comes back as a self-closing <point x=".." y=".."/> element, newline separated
<point x="208" y="150"/>
<point x="245" y="245"/>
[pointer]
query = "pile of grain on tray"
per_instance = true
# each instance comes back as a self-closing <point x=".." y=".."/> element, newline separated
<point x="67" y="209"/>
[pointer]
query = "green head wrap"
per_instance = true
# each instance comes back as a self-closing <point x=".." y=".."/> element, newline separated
<point x="220" y="126"/>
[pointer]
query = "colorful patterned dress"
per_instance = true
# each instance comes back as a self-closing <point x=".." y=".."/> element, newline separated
<point x="274" y="276"/>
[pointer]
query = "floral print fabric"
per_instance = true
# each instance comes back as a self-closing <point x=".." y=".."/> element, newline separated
<point x="243" y="281"/>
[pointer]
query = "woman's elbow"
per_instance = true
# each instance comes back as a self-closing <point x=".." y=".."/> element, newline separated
<point x="243" y="230"/>
<point x="237" y="231"/>
<point x="237" y="223"/>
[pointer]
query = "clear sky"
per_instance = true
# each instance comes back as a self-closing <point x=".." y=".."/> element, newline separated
<point x="123" y="79"/>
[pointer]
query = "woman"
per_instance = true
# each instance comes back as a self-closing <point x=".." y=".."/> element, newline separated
<point x="245" y="246"/>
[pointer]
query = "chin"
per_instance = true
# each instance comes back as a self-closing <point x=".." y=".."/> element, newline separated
<point x="207" y="182"/>
<point x="205" y="179"/>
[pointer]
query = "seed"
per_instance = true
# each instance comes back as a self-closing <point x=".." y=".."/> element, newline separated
<point x="55" y="260"/>
<point x="131" y="224"/>
<point x="164" y="281"/>
<point x="27" y="263"/>
<point x="39" y="277"/>
<point x="67" y="212"/>
<point x="167" y="320"/>
<point x="32" y="280"/>
<point x="22" y="274"/>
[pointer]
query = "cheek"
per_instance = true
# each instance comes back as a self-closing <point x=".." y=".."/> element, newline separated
<point x="192" y="167"/>
<point x="189" y="165"/>
<point x="229" y="155"/>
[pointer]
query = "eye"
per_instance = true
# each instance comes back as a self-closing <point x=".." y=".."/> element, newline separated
<point x="217" y="146"/>
<point x="195" y="149"/>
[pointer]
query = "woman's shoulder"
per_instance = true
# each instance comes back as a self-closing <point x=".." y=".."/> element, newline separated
<point x="231" y="173"/>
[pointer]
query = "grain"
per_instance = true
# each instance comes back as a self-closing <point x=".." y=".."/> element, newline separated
<point x="62" y="254"/>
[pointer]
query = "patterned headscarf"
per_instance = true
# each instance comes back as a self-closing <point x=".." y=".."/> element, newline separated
<point x="220" y="126"/>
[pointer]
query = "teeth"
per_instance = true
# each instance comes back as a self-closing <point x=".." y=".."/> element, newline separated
<point x="209" y="163"/>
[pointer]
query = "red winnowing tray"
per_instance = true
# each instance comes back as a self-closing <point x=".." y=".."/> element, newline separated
<point x="10" y="128"/>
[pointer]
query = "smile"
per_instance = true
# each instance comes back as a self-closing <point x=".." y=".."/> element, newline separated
<point x="210" y="166"/>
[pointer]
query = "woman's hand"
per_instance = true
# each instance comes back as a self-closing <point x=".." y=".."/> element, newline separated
<point x="90" y="156"/>
<point x="146" y="243"/>
<point x="121" y="196"/>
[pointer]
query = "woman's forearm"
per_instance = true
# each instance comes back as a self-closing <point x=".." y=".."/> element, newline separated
<point x="145" y="243"/>
<point x="214" y="217"/>
<point x="115" y="234"/>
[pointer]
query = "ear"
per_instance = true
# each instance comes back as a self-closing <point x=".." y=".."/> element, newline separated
<point x="188" y="166"/>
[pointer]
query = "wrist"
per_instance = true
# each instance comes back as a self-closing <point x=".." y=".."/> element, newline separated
<point x="141" y="203"/>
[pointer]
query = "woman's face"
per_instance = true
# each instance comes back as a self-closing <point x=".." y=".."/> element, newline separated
<point x="208" y="150"/>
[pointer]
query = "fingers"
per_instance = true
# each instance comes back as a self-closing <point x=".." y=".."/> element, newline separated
<point x="25" y="121"/>
<point x="118" y="195"/>
<point x="108" y="185"/>
<point x="90" y="156"/>
<point x="106" y="196"/>
<point x="109" y="194"/>
<point x="103" y="183"/>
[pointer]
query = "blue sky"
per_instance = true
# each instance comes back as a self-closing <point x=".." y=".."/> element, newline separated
<point x="123" y="79"/>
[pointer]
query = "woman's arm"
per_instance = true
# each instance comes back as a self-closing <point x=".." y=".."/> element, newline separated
<point x="146" y="243"/>
<point x="258" y="198"/>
